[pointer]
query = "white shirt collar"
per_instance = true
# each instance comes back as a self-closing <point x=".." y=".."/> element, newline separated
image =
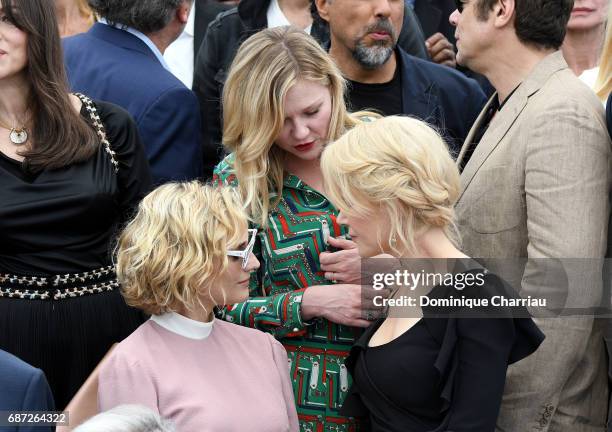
<point x="183" y="326"/>
<point x="143" y="37"/>
<point x="276" y="17"/>
<point x="179" y="54"/>
<point x="190" y="26"/>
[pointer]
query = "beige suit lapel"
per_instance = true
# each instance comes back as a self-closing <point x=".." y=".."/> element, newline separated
<point x="503" y="120"/>
<point x="498" y="128"/>
<point x="474" y="129"/>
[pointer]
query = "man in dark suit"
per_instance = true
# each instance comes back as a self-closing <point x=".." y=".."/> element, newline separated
<point x="384" y="77"/>
<point x="23" y="388"/>
<point x="120" y="60"/>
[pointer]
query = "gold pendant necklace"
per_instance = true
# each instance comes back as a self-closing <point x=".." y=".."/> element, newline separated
<point x="17" y="135"/>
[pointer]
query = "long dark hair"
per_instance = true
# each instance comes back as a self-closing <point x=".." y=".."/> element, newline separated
<point x="60" y="135"/>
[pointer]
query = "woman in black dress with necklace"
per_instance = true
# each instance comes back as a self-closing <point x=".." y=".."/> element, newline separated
<point x="70" y="171"/>
<point x="423" y="368"/>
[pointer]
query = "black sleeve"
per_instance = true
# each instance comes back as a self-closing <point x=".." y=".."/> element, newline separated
<point x="488" y="340"/>
<point x="411" y="38"/>
<point x="134" y="176"/>
<point x="483" y="349"/>
<point x="206" y="85"/>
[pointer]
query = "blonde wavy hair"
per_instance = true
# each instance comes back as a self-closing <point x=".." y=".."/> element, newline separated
<point x="398" y="165"/>
<point x="176" y="244"/>
<point x="603" y="84"/>
<point x="266" y="66"/>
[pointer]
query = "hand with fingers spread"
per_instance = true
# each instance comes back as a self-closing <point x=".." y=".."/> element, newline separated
<point x="441" y="50"/>
<point x="345" y="304"/>
<point x="343" y="265"/>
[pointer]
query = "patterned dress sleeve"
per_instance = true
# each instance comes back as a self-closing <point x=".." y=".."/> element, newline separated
<point x="278" y="314"/>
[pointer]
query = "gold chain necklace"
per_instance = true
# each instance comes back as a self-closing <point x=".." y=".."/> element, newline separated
<point x="17" y="135"/>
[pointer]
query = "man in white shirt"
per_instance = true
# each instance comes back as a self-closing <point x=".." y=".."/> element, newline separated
<point x="180" y="55"/>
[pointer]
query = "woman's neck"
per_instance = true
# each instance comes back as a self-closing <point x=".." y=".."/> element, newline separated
<point x="434" y="244"/>
<point x="204" y="314"/>
<point x="307" y="171"/>
<point x="14" y="99"/>
<point x="436" y="250"/>
<point x="582" y="48"/>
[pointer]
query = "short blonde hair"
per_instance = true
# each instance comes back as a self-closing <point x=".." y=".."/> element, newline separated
<point x="176" y="245"/>
<point x="266" y="67"/>
<point x="401" y="166"/>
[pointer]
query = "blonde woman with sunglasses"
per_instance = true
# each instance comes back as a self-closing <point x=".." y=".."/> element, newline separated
<point x="187" y="251"/>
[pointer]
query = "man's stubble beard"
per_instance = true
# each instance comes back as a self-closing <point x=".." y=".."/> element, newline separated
<point x="374" y="56"/>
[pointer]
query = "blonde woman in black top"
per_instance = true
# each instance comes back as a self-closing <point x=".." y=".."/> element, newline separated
<point x="422" y="368"/>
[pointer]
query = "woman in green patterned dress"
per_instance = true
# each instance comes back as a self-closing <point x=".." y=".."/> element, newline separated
<point x="283" y="101"/>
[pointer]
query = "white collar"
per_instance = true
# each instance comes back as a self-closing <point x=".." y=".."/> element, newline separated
<point x="183" y="326"/>
<point x="276" y="17"/>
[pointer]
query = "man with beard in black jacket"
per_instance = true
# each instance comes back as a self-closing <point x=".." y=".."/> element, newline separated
<point x="383" y="76"/>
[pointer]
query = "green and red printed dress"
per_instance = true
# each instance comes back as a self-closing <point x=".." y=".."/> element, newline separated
<point x="288" y="250"/>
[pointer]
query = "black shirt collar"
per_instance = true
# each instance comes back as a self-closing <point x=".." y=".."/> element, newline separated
<point x="501" y="105"/>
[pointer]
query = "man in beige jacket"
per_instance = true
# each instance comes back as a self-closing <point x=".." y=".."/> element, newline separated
<point x="535" y="182"/>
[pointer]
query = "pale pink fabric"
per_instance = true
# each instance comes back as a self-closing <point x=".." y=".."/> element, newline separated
<point x="237" y="379"/>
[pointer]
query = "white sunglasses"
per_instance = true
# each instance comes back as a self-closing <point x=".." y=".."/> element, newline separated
<point x="246" y="253"/>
